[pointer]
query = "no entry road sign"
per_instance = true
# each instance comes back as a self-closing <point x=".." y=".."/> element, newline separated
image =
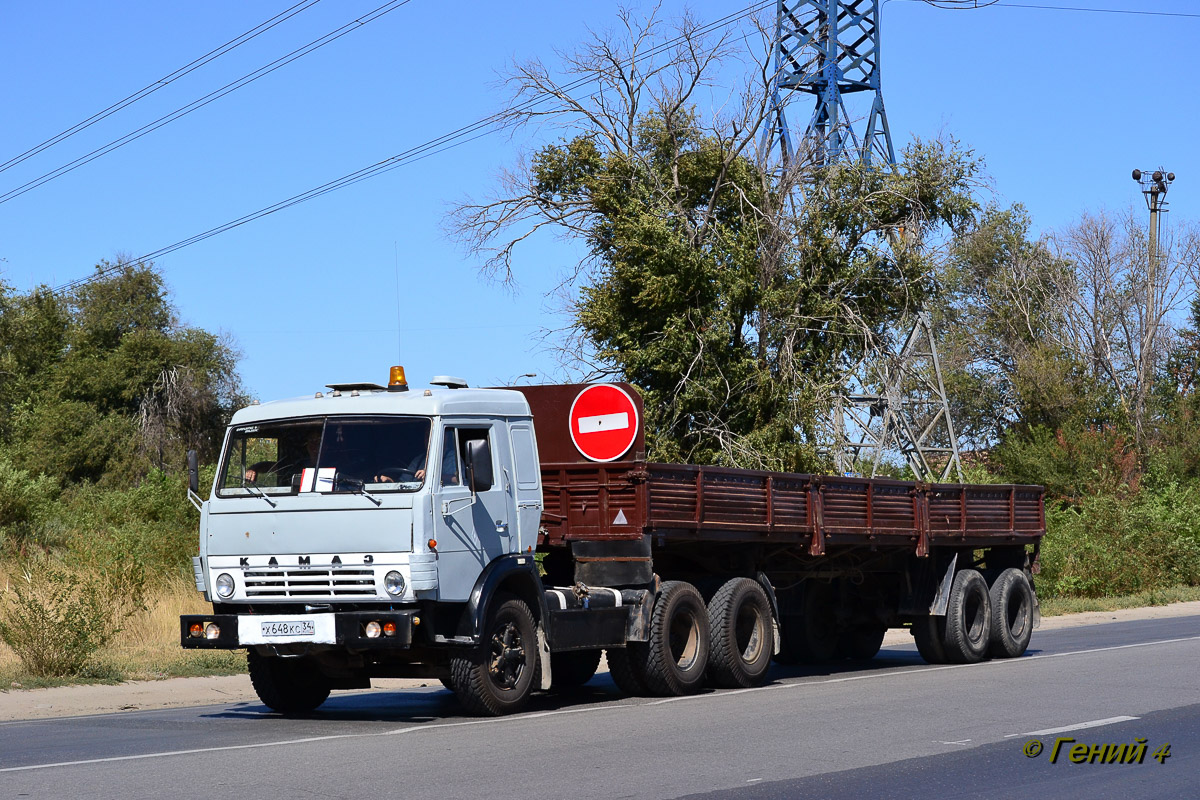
<point x="604" y="422"/>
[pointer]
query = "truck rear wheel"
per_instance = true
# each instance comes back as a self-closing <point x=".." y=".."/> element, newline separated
<point x="743" y="636"/>
<point x="1012" y="614"/>
<point x="968" y="619"/>
<point x="929" y="631"/>
<point x="572" y="669"/>
<point x="623" y="669"/>
<point x="676" y="655"/>
<point x="861" y="642"/>
<point x="497" y="677"/>
<point x="287" y="685"/>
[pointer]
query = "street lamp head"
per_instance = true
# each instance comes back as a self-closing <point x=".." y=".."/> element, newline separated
<point x="1170" y="176"/>
<point x="1137" y="174"/>
<point x="1157" y="175"/>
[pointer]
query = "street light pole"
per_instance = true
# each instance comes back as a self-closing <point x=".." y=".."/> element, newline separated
<point x="1154" y="187"/>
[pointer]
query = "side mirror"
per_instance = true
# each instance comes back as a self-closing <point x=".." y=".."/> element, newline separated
<point x="193" y="462"/>
<point x="479" y="465"/>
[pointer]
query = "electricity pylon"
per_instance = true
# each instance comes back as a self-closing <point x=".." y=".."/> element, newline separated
<point x="907" y="414"/>
<point x="829" y="49"/>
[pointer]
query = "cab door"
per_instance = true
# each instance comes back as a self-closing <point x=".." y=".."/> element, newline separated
<point x="527" y="488"/>
<point x="471" y="531"/>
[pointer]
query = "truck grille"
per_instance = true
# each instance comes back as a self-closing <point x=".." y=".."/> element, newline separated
<point x="310" y="583"/>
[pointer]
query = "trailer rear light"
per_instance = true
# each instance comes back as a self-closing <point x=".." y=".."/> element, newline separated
<point x="372" y="629"/>
<point x="195" y="630"/>
<point x="389" y="629"/>
<point x="212" y="631"/>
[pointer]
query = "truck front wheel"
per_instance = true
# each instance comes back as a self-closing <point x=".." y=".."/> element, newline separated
<point x="287" y="685"/>
<point x="497" y="677"/>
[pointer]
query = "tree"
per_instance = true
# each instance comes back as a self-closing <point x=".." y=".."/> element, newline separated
<point x="732" y="305"/>
<point x="83" y="396"/>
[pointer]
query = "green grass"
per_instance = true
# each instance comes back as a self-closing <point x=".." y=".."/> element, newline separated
<point x="1054" y="606"/>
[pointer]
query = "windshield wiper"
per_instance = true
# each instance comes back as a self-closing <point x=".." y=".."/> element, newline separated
<point x="360" y="487"/>
<point x="249" y="484"/>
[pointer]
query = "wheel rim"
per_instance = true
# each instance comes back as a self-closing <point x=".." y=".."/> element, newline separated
<point x="750" y="634"/>
<point x="508" y="656"/>
<point x="685" y="640"/>
<point x="1018" y="615"/>
<point x="973" y="616"/>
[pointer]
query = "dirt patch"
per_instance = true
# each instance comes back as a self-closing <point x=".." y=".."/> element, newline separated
<point x="70" y="701"/>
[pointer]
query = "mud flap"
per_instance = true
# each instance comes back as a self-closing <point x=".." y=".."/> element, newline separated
<point x="544" y="657"/>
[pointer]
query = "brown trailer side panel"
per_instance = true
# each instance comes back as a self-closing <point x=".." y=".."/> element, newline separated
<point x="626" y="500"/>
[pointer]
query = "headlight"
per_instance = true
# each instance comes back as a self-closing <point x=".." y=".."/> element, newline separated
<point x="394" y="583"/>
<point x="225" y="585"/>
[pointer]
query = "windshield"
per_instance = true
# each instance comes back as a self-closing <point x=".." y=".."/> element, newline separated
<point x="330" y="454"/>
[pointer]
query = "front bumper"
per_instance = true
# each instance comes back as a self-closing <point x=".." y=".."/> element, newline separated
<point x="349" y="628"/>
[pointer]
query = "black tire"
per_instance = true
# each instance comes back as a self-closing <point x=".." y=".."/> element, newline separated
<point x="673" y="661"/>
<point x="287" y="685"/>
<point x="624" y="671"/>
<point x="1012" y="614"/>
<point x="498" y="676"/>
<point x="811" y="635"/>
<point x="968" y="619"/>
<point x="861" y="642"/>
<point x="929" y="632"/>
<point x="743" y="634"/>
<point x="572" y="669"/>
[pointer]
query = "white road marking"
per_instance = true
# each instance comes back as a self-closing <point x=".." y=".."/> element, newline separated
<point x="960" y="743"/>
<point x="1096" y="723"/>
<point x="604" y="422"/>
<point x="609" y="707"/>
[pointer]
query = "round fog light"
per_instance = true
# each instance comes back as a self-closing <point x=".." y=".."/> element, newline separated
<point x="372" y="630"/>
<point x="212" y="631"/>
<point x="195" y="630"/>
<point x="389" y="629"/>
<point x="393" y="582"/>
<point x="225" y="585"/>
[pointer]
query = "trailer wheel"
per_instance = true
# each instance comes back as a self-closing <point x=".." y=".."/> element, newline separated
<point x="625" y="673"/>
<point x="743" y="636"/>
<point x="676" y="655"/>
<point x="286" y="685"/>
<point x="968" y="619"/>
<point x="810" y="636"/>
<point x="1012" y="614"/>
<point x="498" y="676"/>
<point x="929" y="632"/>
<point x="861" y="642"/>
<point x="572" y="669"/>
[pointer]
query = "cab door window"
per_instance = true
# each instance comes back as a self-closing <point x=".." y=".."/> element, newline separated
<point x="454" y="451"/>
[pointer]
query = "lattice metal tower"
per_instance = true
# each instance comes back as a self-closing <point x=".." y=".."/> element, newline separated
<point x="908" y="413"/>
<point x="829" y="49"/>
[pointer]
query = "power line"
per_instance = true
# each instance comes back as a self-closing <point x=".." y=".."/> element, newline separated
<point x="1004" y="4"/>
<point x="203" y="101"/>
<point x="211" y="55"/>
<point x="460" y="136"/>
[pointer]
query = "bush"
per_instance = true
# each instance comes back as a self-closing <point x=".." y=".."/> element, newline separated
<point x="24" y="503"/>
<point x="56" y="619"/>
<point x="1111" y="544"/>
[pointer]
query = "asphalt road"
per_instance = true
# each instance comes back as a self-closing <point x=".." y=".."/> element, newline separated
<point x="898" y="728"/>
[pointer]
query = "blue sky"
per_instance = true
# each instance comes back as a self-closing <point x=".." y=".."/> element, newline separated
<point x="1062" y="106"/>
